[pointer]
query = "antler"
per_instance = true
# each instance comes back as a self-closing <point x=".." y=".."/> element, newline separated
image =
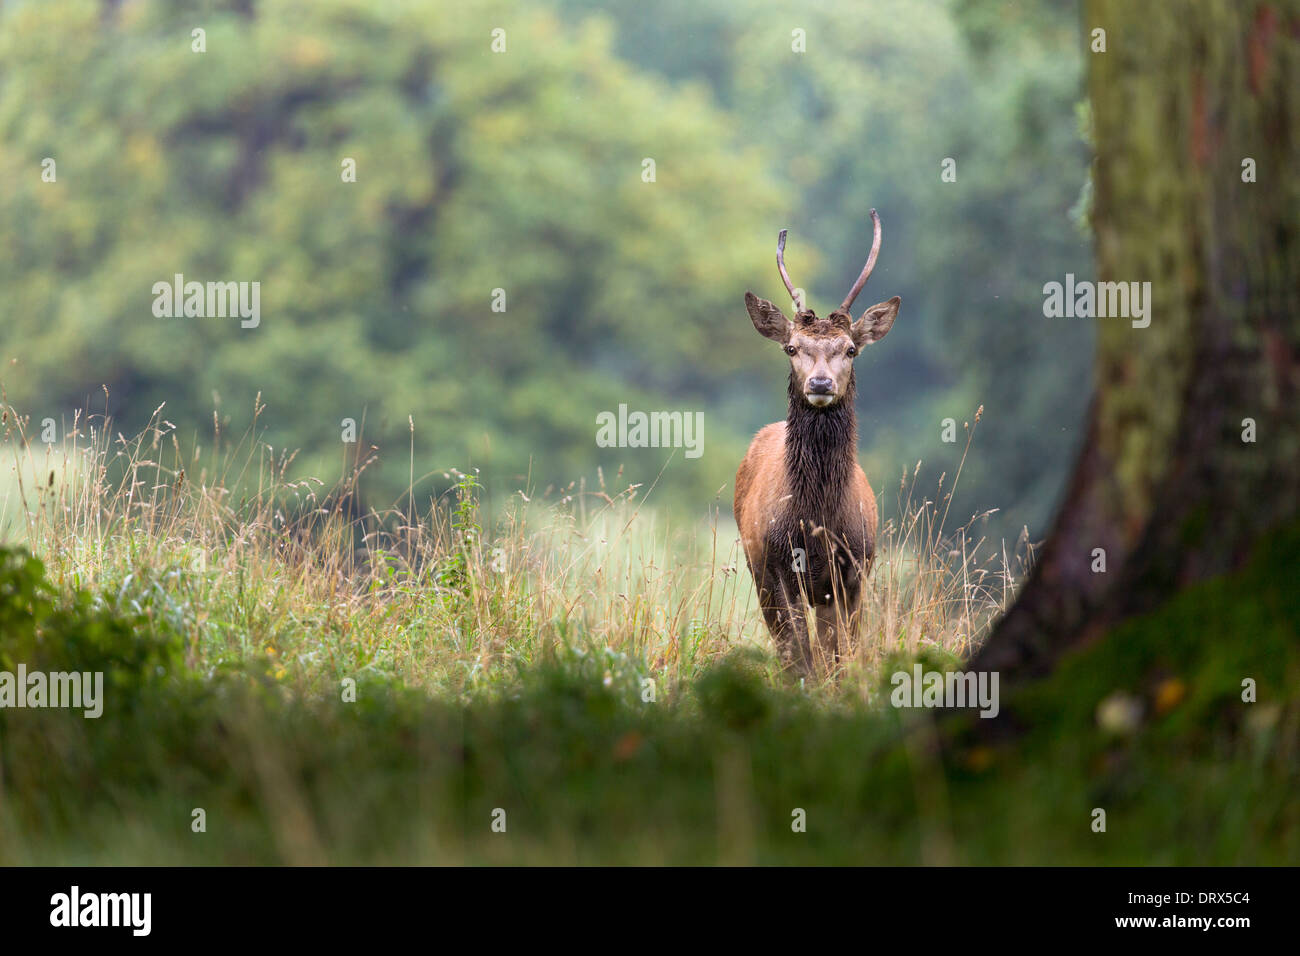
<point x="866" y="270"/>
<point x="785" y="276"/>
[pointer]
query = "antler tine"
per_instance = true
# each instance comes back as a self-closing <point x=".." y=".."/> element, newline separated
<point x="785" y="276"/>
<point x="867" y="269"/>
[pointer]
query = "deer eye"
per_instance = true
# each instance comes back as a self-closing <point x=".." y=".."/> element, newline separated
<point x="790" y="350"/>
<point x="852" y="351"/>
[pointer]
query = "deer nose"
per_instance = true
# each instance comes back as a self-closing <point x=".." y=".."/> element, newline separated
<point x="821" y="386"/>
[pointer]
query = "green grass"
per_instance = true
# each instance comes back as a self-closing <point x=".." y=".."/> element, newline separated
<point x="222" y="546"/>
<point x="586" y="772"/>
<point x="524" y="690"/>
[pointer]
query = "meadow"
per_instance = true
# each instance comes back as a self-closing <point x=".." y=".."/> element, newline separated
<point x="456" y="595"/>
<point x="567" y="677"/>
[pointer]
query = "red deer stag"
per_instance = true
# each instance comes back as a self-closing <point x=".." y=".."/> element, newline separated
<point x="806" y="515"/>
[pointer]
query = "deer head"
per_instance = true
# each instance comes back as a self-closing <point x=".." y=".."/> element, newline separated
<point x="822" y="350"/>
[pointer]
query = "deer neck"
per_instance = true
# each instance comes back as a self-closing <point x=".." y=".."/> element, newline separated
<point x="821" y="448"/>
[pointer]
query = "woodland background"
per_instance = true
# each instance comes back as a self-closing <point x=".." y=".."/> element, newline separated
<point x="522" y="171"/>
<point x="374" y="685"/>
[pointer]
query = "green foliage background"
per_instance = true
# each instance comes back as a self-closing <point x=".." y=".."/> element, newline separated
<point x="522" y="171"/>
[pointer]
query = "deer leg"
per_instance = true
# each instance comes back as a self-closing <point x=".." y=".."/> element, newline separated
<point x="838" y="616"/>
<point x="828" y="636"/>
<point x="837" y="623"/>
<point x="783" y="610"/>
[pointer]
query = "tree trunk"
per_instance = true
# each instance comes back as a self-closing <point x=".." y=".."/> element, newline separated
<point x="1167" y="483"/>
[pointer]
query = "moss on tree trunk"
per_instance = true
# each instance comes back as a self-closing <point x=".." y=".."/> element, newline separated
<point x="1183" y="95"/>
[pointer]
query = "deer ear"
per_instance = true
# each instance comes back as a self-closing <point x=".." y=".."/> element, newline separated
<point x="768" y="319"/>
<point x="875" y="322"/>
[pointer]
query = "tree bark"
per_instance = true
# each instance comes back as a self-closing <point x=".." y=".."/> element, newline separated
<point x="1166" y="483"/>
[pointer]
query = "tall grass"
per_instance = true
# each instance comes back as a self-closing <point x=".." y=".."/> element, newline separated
<point x="500" y="659"/>
<point x="250" y="562"/>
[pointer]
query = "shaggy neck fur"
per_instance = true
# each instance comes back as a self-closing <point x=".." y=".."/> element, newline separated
<point x="821" y="447"/>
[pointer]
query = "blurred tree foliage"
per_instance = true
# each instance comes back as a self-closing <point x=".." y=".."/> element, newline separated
<point x="864" y="118"/>
<point x="522" y="171"/>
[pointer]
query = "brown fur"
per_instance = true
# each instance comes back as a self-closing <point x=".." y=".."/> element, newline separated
<point x="800" y="486"/>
